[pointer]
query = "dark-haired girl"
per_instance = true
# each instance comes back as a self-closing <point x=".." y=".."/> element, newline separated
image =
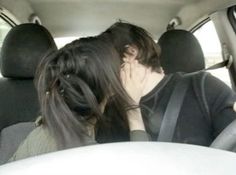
<point x="73" y="86"/>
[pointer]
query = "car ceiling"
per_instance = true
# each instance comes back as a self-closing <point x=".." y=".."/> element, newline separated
<point x="90" y="17"/>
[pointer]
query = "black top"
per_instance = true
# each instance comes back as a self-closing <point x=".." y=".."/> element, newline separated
<point x="207" y="108"/>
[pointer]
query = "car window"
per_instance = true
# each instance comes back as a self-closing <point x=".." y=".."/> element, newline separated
<point x="211" y="47"/>
<point x="62" y="41"/>
<point x="4" y="29"/>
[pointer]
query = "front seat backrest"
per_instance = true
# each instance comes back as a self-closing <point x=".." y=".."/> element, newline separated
<point x="23" y="48"/>
<point x="180" y="52"/>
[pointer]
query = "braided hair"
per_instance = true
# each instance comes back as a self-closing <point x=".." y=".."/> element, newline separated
<point x="73" y="82"/>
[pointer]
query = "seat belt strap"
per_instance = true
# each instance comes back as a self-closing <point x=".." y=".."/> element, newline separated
<point x="172" y="111"/>
<point x="227" y="63"/>
<point x="228" y="59"/>
<point x="218" y="65"/>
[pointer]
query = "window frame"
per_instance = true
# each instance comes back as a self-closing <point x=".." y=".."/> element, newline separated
<point x="7" y="17"/>
<point x="231" y="17"/>
<point x="232" y="20"/>
<point x="197" y="27"/>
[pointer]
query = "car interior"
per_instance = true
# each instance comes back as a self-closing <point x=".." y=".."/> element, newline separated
<point x="194" y="35"/>
<point x="23" y="48"/>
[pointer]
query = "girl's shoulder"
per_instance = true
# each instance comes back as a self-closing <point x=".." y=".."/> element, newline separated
<point x="39" y="141"/>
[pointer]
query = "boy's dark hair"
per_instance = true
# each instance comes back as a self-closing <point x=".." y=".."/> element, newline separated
<point x="122" y="34"/>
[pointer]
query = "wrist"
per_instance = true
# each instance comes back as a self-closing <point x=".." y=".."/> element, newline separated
<point x="135" y="120"/>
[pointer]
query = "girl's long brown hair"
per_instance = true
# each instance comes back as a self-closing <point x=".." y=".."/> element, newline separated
<point x="73" y="82"/>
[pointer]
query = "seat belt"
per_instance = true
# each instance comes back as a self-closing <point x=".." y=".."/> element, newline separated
<point x="227" y="63"/>
<point x="173" y="109"/>
<point x="228" y="59"/>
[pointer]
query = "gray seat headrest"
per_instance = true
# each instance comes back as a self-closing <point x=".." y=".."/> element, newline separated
<point x="23" y="48"/>
<point x="181" y="52"/>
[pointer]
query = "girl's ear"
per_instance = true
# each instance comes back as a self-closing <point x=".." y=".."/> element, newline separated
<point x="130" y="54"/>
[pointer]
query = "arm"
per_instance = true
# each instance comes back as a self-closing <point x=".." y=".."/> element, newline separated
<point x="133" y="82"/>
<point x="136" y="126"/>
<point x="221" y="100"/>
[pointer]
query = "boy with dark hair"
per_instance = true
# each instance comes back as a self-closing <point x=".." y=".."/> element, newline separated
<point x="207" y="103"/>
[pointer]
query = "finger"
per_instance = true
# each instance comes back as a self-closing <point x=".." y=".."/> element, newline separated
<point x="123" y="77"/>
<point x="126" y="58"/>
<point x="127" y="71"/>
<point x="132" y="70"/>
<point x="122" y="65"/>
<point x="138" y="68"/>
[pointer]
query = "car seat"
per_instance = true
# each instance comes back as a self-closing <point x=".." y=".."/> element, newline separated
<point x="23" y="48"/>
<point x="180" y="52"/>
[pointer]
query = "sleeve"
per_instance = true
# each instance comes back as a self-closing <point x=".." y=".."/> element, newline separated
<point x="22" y="152"/>
<point x="37" y="142"/>
<point x="220" y="99"/>
<point x="139" y="136"/>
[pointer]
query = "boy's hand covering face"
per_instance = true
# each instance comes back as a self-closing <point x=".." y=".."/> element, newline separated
<point x="133" y="77"/>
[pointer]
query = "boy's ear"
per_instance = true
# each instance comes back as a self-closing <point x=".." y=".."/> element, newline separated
<point x="130" y="54"/>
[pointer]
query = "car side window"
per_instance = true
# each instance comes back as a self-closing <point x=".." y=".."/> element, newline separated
<point x="4" y="29"/>
<point x="211" y="47"/>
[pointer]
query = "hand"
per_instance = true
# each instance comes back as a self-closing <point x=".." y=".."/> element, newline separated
<point x="134" y="77"/>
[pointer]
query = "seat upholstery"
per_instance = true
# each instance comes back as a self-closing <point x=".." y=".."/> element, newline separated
<point x="23" y="48"/>
<point x="180" y="52"/>
<point x="11" y="137"/>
